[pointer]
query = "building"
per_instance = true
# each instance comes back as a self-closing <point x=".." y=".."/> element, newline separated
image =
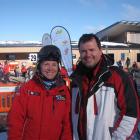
<point x="120" y="40"/>
<point x="18" y="52"/>
<point x="126" y="32"/>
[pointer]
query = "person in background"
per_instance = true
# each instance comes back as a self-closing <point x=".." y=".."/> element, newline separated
<point x="74" y="67"/>
<point x="17" y="71"/>
<point x="41" y="110"/>
<point x="6" y="72"/>
<point x="127" y="62"/>
<point x="23" y="71"/>
<point x="135" y="70"/>
<point x="104" y="99"/>
<point x="30" y="73"/>
<point x="120" y="65"/>
<point x="135" y="65"/>
<point x="1" y="65"/>
<point x="63" y="72"/>
<point x="1" y="72"/>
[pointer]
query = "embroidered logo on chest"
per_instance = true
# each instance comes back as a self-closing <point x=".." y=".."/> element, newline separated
<point x="60" y="97"/>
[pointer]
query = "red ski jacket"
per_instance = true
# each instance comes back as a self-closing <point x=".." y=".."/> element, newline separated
<point x="40" y="114"/>
<point x="6" y="69"/>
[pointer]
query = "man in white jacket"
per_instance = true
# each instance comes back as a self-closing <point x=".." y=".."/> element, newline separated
<point x="104" y="99"/>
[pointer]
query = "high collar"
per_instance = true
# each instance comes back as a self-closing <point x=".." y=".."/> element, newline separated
<point x="40" y="79"/>
<point x="101" y="67"/>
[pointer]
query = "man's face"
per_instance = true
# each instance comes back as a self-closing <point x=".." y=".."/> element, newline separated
<point x="49" y="69"/>
<point x="90" y="54"/>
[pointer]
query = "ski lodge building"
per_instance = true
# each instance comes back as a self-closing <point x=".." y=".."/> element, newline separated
<point x="120" y="40"/>
<point x="126" y="36"/>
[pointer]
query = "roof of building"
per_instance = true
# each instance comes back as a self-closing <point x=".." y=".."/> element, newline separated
<point x="118" y="28"/>
<point x="10" y="43"/>
<point x="105" y="43"/>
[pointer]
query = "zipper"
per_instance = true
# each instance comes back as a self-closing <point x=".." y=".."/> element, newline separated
<point x="53" y="106"/>
<point x="42" y="107"/>
<point x="94" y="96"/>
<point x="98" y="81"/>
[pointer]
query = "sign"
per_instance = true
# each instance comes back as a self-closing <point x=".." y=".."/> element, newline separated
<point x="61" y="38"/>
<point x="46" y="40"/>
<point x="33" y="57"/>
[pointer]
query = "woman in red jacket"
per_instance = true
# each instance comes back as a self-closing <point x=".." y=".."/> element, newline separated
<point x="41" y="110"/>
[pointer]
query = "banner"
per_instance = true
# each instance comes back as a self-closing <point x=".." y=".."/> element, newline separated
<point x="61" y="38"/>
<point x="46" y="40"/>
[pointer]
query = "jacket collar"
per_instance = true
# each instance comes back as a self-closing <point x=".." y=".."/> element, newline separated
<point x="38" y="78"/>
<point x="100" y="69"/>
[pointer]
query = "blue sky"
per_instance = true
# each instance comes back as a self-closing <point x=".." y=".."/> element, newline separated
<point x="30" y="19"/>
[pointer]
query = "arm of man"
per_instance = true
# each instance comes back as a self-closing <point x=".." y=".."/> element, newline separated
<point x="16" y="116"/>
<point x="127" y="102"/>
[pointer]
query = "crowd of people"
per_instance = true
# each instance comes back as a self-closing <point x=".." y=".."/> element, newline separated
<point x="18" y="71"/>
<point x="101" y="104"/>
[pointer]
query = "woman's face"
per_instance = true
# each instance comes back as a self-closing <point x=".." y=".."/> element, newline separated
<point x="49" y="69"/>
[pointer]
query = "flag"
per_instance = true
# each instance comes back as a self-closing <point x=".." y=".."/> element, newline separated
<point x="46" y="40"/>
<point x="61" y="38"/>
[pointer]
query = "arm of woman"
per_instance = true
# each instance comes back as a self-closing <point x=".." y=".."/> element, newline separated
<point x="17" y="116"/>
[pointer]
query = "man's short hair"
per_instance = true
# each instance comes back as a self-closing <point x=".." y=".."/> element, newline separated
<point x="88" y="37"/>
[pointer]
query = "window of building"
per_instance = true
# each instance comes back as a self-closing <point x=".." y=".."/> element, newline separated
<point x="122" y="56"/>
<point x="74" y="56"/>
<point x="138" y="57"/>
<point x="10" y="56"/>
